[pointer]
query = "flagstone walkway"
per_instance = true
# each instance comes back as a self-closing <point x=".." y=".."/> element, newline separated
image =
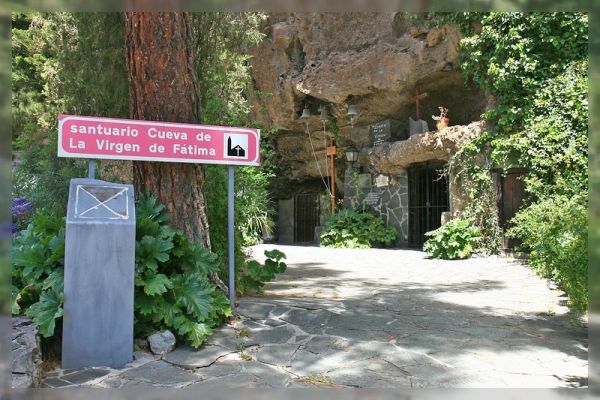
<point x="377" y="319"/>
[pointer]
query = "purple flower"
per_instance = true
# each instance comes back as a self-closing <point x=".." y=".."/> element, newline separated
<point x="20" y="209"/>
<point x="20" y="206"/>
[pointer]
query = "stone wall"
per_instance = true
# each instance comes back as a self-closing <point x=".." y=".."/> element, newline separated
<point x="392" y="205"/>
<point x="26" y="355"/>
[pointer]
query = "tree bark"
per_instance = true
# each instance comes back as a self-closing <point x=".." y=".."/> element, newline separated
<point x="163" y="87"/>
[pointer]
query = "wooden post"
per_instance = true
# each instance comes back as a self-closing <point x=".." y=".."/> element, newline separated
<point x="330" y="152"/>
<point x="332" y="174"/>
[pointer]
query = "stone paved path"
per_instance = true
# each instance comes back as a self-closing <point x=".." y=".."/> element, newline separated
<point x="377" y="319"/>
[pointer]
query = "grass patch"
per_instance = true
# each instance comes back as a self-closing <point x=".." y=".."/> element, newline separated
<point x="317" y="380"/>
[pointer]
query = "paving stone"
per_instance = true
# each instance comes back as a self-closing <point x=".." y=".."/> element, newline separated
<point x="323" y="344"/>
<point x="142" y="356"/>
<point x="224" y="336"/>
<point x="159" y="373"/>
<point x="359" y="377"/>
<point x="277" y="335"/>
<point x="274" y="322"/>
<point x="301" y="338"/>
<point x="254" y="310"/>
<point x="277" y="354"/>
<point x="220" y="369"/>
<point x="268" y="375"/>
<point x="241" y="380"/>
<point x="56" y="383"/>
<point x="188" y="357"/>
<point x="310" y="321"/>
<point x="85" y="375"/>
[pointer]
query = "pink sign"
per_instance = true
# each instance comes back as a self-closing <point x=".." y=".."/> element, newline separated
<point x="126" y="139"/>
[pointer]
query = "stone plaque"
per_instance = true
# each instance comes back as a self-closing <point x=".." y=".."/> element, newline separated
<point x="372" y="199"/>
<point x="382" y="180"/>
<point x="381" y="132"/>
<point x="418" y="126"/>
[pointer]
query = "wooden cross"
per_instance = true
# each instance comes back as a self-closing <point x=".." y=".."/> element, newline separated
<point x="416" y="100"/>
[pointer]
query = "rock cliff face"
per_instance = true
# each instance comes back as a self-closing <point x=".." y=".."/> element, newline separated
<point x="374" y="60"/>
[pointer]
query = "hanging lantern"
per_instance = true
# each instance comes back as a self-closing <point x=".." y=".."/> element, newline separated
<point x="352" y="154"/>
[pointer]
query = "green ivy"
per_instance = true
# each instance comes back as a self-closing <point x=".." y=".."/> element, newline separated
<point x="456" y="239"/>
<point x="534" y="66"/>
<point x="350" y="228"/>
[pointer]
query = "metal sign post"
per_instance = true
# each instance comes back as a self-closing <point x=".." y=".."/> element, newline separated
<point x="92" y="169"/>
<point x="230" y="235"/>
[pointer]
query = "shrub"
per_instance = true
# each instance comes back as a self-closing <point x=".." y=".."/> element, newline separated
<point x="356" y="229"/>
<point x="254" y="276"/>
<point x="555" y="232"/>
<point x="454" y="240"/>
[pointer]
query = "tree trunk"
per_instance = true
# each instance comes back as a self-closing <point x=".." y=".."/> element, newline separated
<point x="163" y="87"/>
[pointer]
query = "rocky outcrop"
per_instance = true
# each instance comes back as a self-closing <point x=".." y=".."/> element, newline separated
<point x="396" y="156"/>
<point x="373" y="60"/>
<point x="26" y="355"/>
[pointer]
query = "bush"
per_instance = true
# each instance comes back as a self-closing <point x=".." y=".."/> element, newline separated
<point x="254" y="276"/>
<point x="356" y="229"/>
<point x="454" y="240"/>
<point x="555" y="232"/>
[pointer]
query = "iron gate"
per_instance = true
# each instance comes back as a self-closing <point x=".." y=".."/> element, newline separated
<point x="306" y="216"/>
<point x="427" y="199"/>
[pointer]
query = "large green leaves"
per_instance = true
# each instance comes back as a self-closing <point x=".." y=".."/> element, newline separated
<point x="46" y="311"/>
<point x="454" y="240"/>
<point x="356" y="229"/>
<point x="157" y="284"/>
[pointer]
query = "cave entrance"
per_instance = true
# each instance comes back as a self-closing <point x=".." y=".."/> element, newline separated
<point x="428" y="198"/>
<point x="306" y="217"/>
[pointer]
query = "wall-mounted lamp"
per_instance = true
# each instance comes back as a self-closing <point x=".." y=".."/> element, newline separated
<point x="352" y="154"/>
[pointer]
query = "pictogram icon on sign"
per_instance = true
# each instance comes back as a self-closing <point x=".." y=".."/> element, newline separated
<point x="236" y="146"/>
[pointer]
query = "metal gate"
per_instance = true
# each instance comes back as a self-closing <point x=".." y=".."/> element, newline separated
<point x="306" y="216"/>
<point x="427" y="199"/>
